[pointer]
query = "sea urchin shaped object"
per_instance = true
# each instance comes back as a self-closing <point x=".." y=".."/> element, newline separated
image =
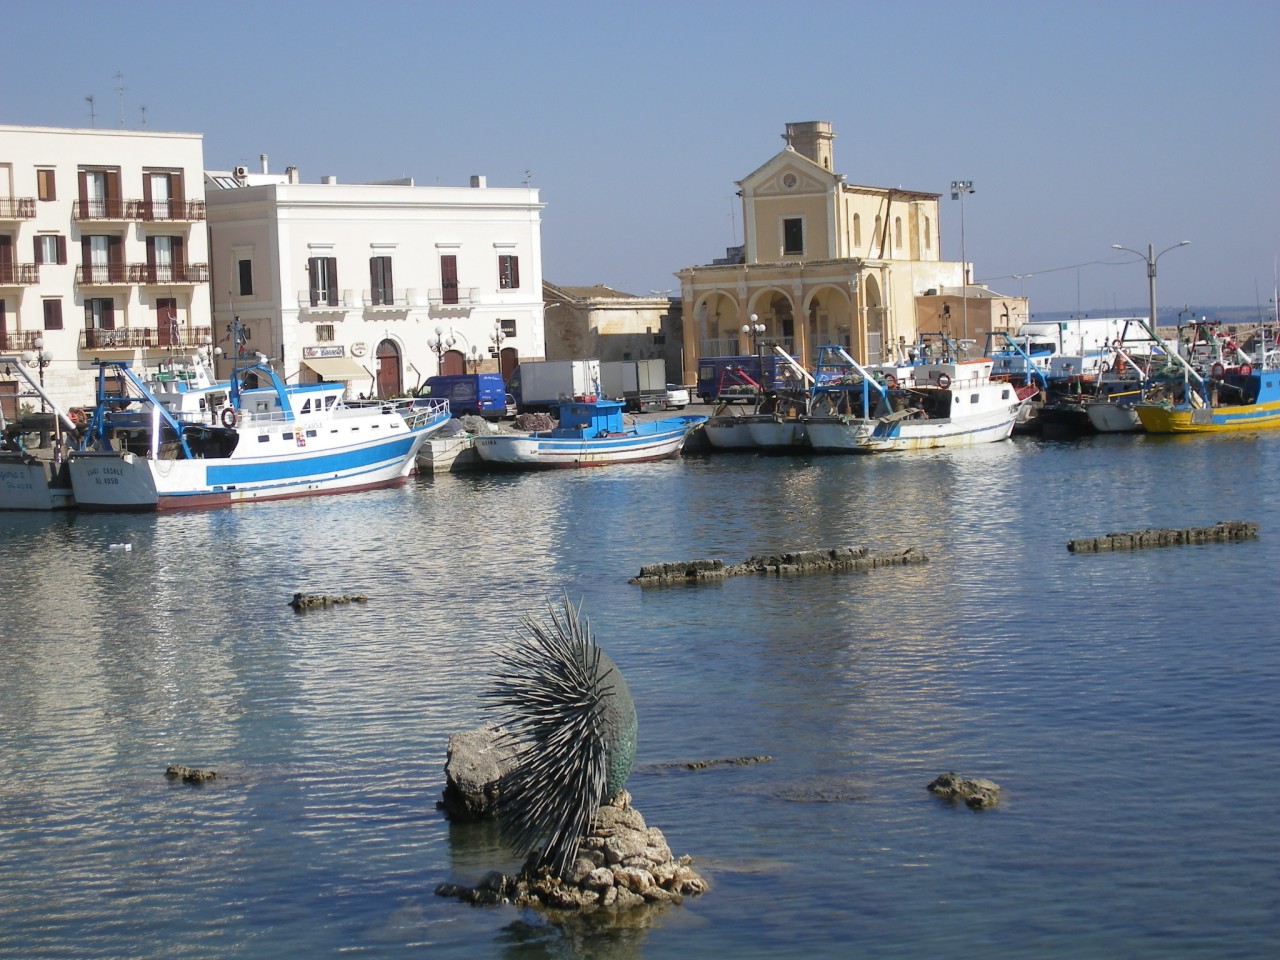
<point x="573" y="714"/>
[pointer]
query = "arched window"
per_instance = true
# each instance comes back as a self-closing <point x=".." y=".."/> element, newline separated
<point x="897" y="233"/>
<point x="928" y="234"/>
<point x="857" y="230"/>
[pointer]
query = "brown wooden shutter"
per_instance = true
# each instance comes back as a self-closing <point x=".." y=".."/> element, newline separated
<point x="53" y="314"/>
<point x="84" y="195"/>
<point x="331" y="274"/>
<point x="375" y="282"/>
<point x="62" y="253"/>
<point x="114" y="207"/>
<point x="115" y="259"/>
<point x="38" y="252"/>
<point x="148" y="211"/>
<point x="179" y="261"/>
<point x="515" y="273"/>
<point x="449" y="278"/>
<point x="313" y="277"/>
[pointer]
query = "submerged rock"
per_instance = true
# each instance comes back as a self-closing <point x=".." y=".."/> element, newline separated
<point x="1225" y="532"/>
<point x="778" y="564"/>
<point x="309" y="601"/>
<point x="176" y="771"/>
<point x="977" y="794"/>
<point x="477" y="760"/>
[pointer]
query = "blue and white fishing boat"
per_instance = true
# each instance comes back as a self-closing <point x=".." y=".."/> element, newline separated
<point x="34" y="480"/>
<point x="591" y="433"/>
<point x="180" y="439"/>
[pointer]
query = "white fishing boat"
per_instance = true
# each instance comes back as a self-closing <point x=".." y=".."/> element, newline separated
<point x="35" y="479"/>
<point x="186" y="441"/>
<point x="590" y="433"/>
<point x="949" y="404"/>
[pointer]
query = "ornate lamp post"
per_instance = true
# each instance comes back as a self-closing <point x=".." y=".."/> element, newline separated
<point x="40" y="357"/>
<point x="436" y="343"/>
<point x="496" y="339"/>
<point x="1150" y="258"/>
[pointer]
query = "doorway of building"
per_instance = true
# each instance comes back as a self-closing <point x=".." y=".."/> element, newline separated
<point x="390" y="376"/>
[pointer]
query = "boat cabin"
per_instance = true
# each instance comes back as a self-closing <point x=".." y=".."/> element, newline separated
<point x="597" y="418"/>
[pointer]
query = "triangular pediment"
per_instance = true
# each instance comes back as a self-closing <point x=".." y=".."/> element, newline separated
<point x="787" y="172"/>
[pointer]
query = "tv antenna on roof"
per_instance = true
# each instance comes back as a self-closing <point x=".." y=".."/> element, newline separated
<point x="120" y="91"/>
<point x="528" y="177"/>
<point x="92" y="115"/>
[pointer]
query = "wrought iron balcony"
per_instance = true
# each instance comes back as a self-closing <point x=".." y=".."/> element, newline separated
<point x="107" y="208"/>
<point x="452" y="297"/>
<point x="102" y="274"/>
<point x="19" y="274"/>
<point x="151" y="273"/>
<point x="168" y="211"/>
<point x="17" y="208"/>
<point x="145" y="338"/>
<point x="19" y="340"/>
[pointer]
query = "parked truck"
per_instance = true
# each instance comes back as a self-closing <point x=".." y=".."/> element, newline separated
<point x="640" y="384"/>
<point x="538" y="385"/>
<point x="1068" y="347"/>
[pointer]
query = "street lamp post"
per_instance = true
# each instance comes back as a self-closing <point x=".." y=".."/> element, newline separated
<point x="436" y="343"/>
<point x="496" y="339"/>
<point x="1150" y="257"/>
<point x="40" y="357"/>
<point x="958" y="189"/>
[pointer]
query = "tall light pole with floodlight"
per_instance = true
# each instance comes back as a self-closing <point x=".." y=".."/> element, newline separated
<point x="958" y="189"/>
<point x="1151" y="257"/>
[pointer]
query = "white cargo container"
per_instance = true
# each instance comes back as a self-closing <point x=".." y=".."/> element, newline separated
<point x="640" y="384"/>
<point x="538" y="385"/>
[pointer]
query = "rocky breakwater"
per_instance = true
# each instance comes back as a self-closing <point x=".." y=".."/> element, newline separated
<point x="1225" y="532"/>
<point x="621" y="864"/>
<point x="776" y="564"/>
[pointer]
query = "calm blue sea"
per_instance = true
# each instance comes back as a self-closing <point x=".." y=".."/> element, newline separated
<point x="1127" y="703"/>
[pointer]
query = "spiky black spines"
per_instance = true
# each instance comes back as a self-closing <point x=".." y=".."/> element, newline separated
<point x="569" y="708"/>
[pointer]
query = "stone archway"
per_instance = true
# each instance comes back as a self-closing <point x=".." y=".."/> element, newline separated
<point x="390" y="374"/>
<point x="827" y="321"/>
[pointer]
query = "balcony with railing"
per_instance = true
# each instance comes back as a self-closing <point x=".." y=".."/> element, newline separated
<point x="169" y="273"/>
<point x="452" y="298"/>
<point x="17" y="208"/>
<point x="19" y="274"/>
<point x="388" y="301"/>
<point x="123" y="274"/>
<point x="168" y="211"/>
<point x="145" y="338"/>
<point x="104" y="208"/>
<point x="322" y="303"/>
<point x="17" y="341"/>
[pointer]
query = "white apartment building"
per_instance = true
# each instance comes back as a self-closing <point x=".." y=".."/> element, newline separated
<point x="380" y="285"/>
<point x="103" y="252"/>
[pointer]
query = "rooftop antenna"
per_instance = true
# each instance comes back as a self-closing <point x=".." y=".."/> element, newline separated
<point x="120" y="91"/>
<point x="92" y="115"/>
<point x="527" y="177"/>
<point x="144" y="116"/>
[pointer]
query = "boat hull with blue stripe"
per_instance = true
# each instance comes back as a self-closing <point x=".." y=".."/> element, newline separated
<point x="590" y="433"/>
<point x="267" y="443"/>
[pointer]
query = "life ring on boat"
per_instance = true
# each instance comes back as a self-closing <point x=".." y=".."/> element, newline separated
<point x="1217" y="370"/>
<point x="1246" y="369"/>
<point x="228" y="417"/>
<point x="890" y="381"/>
<point x="943" y="381"/>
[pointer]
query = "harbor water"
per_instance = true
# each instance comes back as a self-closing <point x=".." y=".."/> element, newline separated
<point x="1125" y="702"/>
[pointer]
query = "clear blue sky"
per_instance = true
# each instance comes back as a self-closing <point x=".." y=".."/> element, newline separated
<point x="1081" y="124"/>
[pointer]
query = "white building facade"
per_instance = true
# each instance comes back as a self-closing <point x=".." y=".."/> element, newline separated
<point x="379" y="285"/>
<point x="103" y="252"/>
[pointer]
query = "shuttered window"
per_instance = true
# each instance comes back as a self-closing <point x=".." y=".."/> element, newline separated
<point x="50" y="248"/>
<point x="246" y="278"/>
<point x="381" y="289"/>
<point x="46" y="187"/>
<point x="53" y="314"/>
<point x="323" y="272"/>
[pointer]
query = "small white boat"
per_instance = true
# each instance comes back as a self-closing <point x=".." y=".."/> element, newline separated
<point x="949" y="404"/>
<point x="35" y="479"/>
<point x="731" y="431"/>
<point x="779" y="434"/>
<point x="186" y="441"/>
<point x="590" y="433"/>
<point x="1113" y="417"/>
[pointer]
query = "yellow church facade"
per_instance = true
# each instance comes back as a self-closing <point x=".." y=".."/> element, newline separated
<point x="823" y="262"/>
